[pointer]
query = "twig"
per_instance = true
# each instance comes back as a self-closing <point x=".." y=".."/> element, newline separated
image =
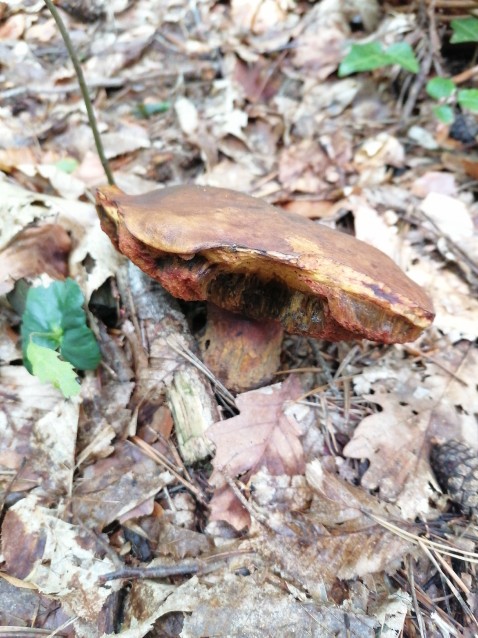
<point x="183" y="568"/>
<point x="411" y="578"/>
<point x="184" y="352"/>
<point x="162" y="460"/>
<point x="163" y="571"/>
<point x="452" y="587"/>
<point x="444" y="549"/>
<point x="84" y="90"/>
<point x="466" y="75"/>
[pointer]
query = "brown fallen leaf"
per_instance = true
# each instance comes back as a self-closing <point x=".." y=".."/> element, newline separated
<point x="262" y="435"/>
<point x="417" y="404"/>
<point x="36" y="250"/>
<point x="334" y="538"/>
<point x="319" y="47"/>
<point x="25" y="608"/>
<point x="313" y="209"/>
<point x="257" y="606"/>
<point x="302" y="167"/>
<point x="115" y="487"/>
<point x="59" y="558"/>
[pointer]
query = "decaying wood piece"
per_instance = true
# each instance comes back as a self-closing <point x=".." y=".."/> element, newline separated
<point x="160" y="371"/>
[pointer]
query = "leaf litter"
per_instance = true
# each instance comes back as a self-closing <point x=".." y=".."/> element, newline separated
<point x="287" y="527"/>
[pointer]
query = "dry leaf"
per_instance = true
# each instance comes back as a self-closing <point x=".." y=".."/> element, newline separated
<point x="262" y="435"/>
<point x="40" y="449"/>
<point x="36" y="250"/>
<point x="416" y="404"/>
<point x="456" y="309"/>
<point x="310" y="208"/>
<point x="319" y="47"/>
<point x="302" y="167"/>
<point x="112" y="488"/>
<point x="24" y="607"/>
<point x="435" y="182"/>
<point x="60" y="558"/>
<point x="373" y="229"/>
<point x="126" y="139"/>
<point x="450" y="216"/>
<point x="334" y="538"/>
<point x="256" y="608"/>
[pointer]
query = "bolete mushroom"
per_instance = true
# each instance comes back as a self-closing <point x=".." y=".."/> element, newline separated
<point x="251" y="258"/>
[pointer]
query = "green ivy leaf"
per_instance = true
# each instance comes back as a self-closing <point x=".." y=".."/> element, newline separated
<point x="363" y="57"/>
<point x="49" y="368"/>
<point x="464" y="30"/>
<point x="401" y="53"/>
<point x="54" y="318"/>
<point x="444" y="113"/>
<point x="468" y="99"/>
<point x="439" y="88"/>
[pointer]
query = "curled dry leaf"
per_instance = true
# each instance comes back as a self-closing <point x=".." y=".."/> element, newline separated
<point x="36" y="250"/>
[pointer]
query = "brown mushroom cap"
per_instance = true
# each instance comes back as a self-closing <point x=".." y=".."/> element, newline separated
<point x="250" y="257"/>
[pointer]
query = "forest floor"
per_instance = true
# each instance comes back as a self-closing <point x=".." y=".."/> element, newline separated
<point x="306" y="507"/>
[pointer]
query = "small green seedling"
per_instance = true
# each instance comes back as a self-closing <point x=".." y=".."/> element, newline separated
<point x="149" y="109"/>
<point x="445" y="90"/>
<point x="372" y="55"/>
<point x="464" y="30"/>
<point x="54" y="325"/>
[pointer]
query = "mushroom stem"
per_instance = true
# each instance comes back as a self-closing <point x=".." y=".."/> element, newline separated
<point x="242" y="353"/>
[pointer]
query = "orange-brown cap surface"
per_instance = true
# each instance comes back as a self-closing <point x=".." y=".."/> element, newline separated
<point x="250" y="257"/>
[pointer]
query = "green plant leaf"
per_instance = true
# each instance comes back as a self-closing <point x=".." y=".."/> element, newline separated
<point x="401" y="53"/>
<point x="468" y="99"/>
<point x="439" y="88"/>
<point x="49" y="368"/>
<point x="151" y="108"/>
<point x="79" y="347"/>
<point x="363" y="57"/>
<point x="444" y="113"/>
<point x="67" y="164"/>
<point x="54" y="318"/>
<point x="464" y="30"/>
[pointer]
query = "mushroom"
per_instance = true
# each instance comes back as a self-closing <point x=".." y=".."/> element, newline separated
<point x="253" y="259"/>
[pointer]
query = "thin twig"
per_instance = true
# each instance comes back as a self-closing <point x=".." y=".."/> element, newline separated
<point x="411" y="578"/>
<point x="191" y="357"/>
<point x="182" y="568"/>
<point x="84" y="90"/>
<point x="452" y="587"/>
<point x="162" y="460"/>
<point x="444" y="549"/>
<point x="163" y="571"/>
